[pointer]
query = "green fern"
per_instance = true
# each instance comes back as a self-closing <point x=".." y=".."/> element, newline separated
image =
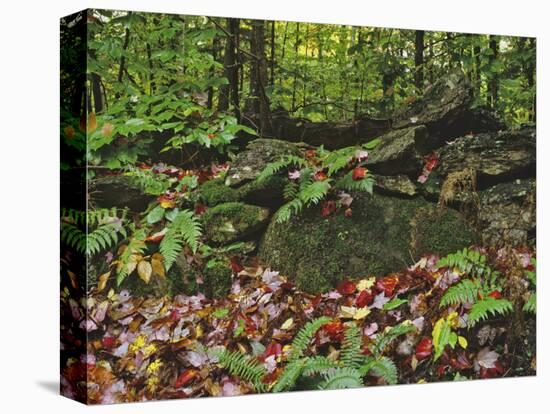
<point x="381" y="367"/>
<point x="287" y="210"/>
<point x="288" y="378"/>
<point x="463" y="292"/>
<point x="386" y="337"/>
<point x="488" y="306"/>
<point x="185" y="228"/>
<point x="340" y="378"/>
<point x="310" y="194"/>
<point x="350" y="355"/>
<point x="245" y="367"/>
<point x="276" y="166"/>
<point x="148" y="181"/>
<point x="318" y="364"/>
<point x="469" y="261"/>
<point x="291" y="190"/>
<point x="304" y="336"/>
<point x="347" y="183"/>
<point x="531" y="304"/>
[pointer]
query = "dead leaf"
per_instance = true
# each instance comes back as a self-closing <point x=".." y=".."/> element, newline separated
<point x="103" y="281"/>
<point x="158" y="267"/>
<point x="92" y="122"/>
<point x="145" y="270"/>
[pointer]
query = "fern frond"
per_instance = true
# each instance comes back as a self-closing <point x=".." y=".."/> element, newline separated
<point x="382" y="367"/>
<point x="463" y="292"/>
<point x="303" y="337"/>
<point x="244" y="367"/>
<point x="531" y="304"/>
<point x="468" y="261"/>
<point x="274" y="167"/>
<point x="314" y="192"/>
<point x="73" y="237"/>
<point x="488" y="306"/>
<point x="350" y="355"/>
<point x="185" y="228"/>
<point x="291" y="190"/>
<point x="347" y="183"/>
<point x="286" y="210"/>
<point x="385" y="338"/>
<point x="287" y="380"/>
<point x="318" y="364"/>
<point x="340" y="378"/>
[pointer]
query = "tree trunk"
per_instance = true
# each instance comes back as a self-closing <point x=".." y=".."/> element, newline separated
<point x="296" y="44"/>
<point x="272" y="59"/>
<point x="492" y="95"/>
<point x="96" y="92"/>
<point x="419" y="61"/>
<point x="230" y="92"/>
<point x="259" y="103"/>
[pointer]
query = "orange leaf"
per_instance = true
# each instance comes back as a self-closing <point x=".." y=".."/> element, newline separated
<point x="107" y="129"/>
<point x="103" y="281"/>
<point x="156" y="263"/>
<point x="92" y="122"/>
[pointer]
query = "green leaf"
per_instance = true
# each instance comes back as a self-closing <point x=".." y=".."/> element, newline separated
<point x="155" y="215"/>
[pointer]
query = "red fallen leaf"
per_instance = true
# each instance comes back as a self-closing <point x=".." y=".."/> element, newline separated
<point x="424" y="348"/>
<point x="358" y="173"/>
<point x="495" y="294"/>
<point x="204" y="176"/>
<point x="348" y="212"/>
<point x="156" y="237"/>
<point x="497" y="371"/>
<point x="235" y="265"/>
<point x="274" y="348"/>
<point x="346" y="287"/>
<point x="108" y="342"/>
<point x="460" y="361"/>
<point x="185" y="378"/>
<point x="441" y="370"/>
<point x="328" y="207"/>
<point x="320" y="176"/>
<point x="387" y="285"/>
<point x="335" y="330"/>
<point x="211" y="136"/>
<point x="431" y="161"/>
<point x="364" y="298"/>
<point x="310" y="153"/>
<point x="174" y="315"/>
<point x="287" y="286"/>
<point x="200" y="209"/>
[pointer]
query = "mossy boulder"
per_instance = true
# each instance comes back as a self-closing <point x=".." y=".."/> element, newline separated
<point x="215" y="192"/>
<point x="384" y="234"/>
<point x="228" y="222"/>
<point x="217" y="280"/>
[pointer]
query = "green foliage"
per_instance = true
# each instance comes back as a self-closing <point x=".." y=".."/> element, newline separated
<point x="304" y="336"/>
<point x="90" y="232"/>
<point x="148" y="181"/>
<point x="274" y="167"/>
<point x="382" y="367"/>
<point x="350" y="355"/>
<point x="385" y="338"/>
<point x="530" y="305"/>
<point x="185" y="228"/>
<point x="488" y="306"/>
<point x="484" y="281"/>
<point x="245" y="367"/>
<point x="463" y="292"/>
<point x="136" y="246"/>
<point x="340" y="378"/>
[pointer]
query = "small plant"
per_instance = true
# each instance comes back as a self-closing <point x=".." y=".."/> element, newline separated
<point x="443" y="334"/>
<point x="313" y="177"/>
<point x="184" y="229"/>
<point x="481" y="291"/>
<point x="531" y="302"/>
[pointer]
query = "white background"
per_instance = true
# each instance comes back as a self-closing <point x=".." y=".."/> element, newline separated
<point x="29" y="194"/>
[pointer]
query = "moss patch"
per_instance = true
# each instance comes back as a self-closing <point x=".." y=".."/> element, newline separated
<point x="215" y="192"/>
<point x="228" y="222"/>
<point x="217" y="280"/>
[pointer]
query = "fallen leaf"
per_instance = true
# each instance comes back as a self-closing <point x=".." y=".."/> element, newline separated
<point x="103" y="281"/>
<point x="145" y="270"/>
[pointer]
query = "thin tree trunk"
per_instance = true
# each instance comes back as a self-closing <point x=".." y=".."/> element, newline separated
<point x="492" y="95"/>
<point x="272" y="60"/>
<point x="419" y="60"/>
<point x="296" y="44"/>
<point x="230" y="91"/>
<point x="96" y="92"/>
<point x="258" y="78"/>
<point x="123" y="57"/>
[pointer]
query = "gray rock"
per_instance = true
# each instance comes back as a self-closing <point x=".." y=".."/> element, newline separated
<point x="119" y="191"/>
<point x="400" y="151"/>
<point x="507" y="213"/>
<point x="249" y="163"/>
<point x="396" y="184"/>
<point x="495" y="156"/>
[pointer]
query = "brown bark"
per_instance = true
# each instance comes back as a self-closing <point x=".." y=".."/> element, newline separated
<point x="419" y="60"/>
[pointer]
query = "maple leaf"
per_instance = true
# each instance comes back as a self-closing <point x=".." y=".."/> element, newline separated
<point x="364" y="298"/>
<point x="346" y="287"/>
<point x="424" y="348"/>
<point x="387" y="284"/>
<point x="358" y="173"/>
<point x="486" y="358"/>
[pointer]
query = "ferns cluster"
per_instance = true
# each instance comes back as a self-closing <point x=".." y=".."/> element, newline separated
<point x="76" y="230"/>
<point x="148" y="181"/>
<point x="346" y="372"/>
<point x="474" y="291"/>
<point x="185" y="228"/>
<point x="307" y="191"/>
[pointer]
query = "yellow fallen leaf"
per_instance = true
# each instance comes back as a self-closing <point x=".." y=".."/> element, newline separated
<point x="168" y="203"/>
<point x="366" y="284"/>
<point x="103" y="281"/>
<point x="347" y="311"/>
<point x="463" y="342"/>
<point x="133" y="261"/>
<point x="361" y="313"/>
<point x="287" y="324"/>
<point x="158" y="267"/>
<point x="145" y="270"/>
<point x="111" y="294"/>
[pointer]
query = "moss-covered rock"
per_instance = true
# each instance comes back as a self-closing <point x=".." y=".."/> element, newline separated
<point x="228" y="222"/>
<point x="316" y="251"/>
<point x="217" y="280"/>
<point x="267" y="194"/>
<point x="215" y="192"/>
